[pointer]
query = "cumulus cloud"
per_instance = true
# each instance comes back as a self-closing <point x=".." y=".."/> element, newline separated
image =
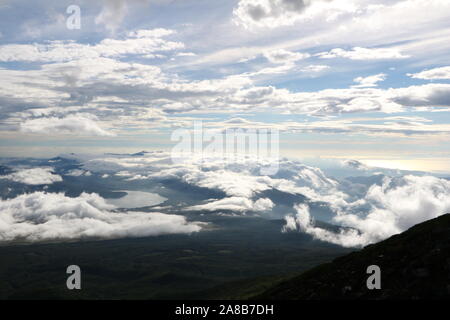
<point x="303" y="222"/>
<point x="236" y="204"/>
<point x="43" y="216"/>
<point x="354" y="164"/>
<point x="370" y="81"/>
<point x="240" y="184"/>
<point x="78" y="173"/>
<point x="358" y="53"/>
<point x="34" y="176"/>
<point x="394" y="206"/>
<point x="442" y="73"/>
<point x="139" y="42"/>
<point x="284" y="56"/>
<point x="271" y="13"/>
<point x="71" y="125"/>
<point x="335" y="101"/>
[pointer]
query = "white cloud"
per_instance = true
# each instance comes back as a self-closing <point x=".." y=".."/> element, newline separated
<point x="239" y="184"/>
<point x="358" y="53"/>
<point x="432" y="74"/>
<point x="140" y="42"/>
<point x="396" y="205"/>
<point x="272" y="13"/>
<point x="263" y="204"/>
<point x="78" y="173"/>
<point x="284" y="56"/>
<point x="146" y="95"/>
<point x="241" y="181"/>
<point x="354" y="164"/>
<point x="335" y="101"/>
<point x="186" y="54"/>
<point x="303" y="222"/>
<point x="341" y="24"/>
<point x="314" y="68"/>
<point x="127" y="94"/>
<point x="151" y="33"/>
<point x="236" y="204"/>
<point x="52" y="216"/>
<point x="368" y="213"/>
<point x="114" y="11"/>
<point x="71" y="125"/>
<point x="34" y="176"/>
<point x="370" y="81"/>
<point x="109" y="78"/>
<point x="394" y="126"/>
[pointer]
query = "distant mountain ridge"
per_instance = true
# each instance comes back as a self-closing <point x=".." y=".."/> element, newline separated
<point x="414" y="265"/>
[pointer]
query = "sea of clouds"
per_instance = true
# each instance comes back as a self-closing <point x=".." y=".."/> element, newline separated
<point x="378" y="204"/>
<point x="42" y="216"/>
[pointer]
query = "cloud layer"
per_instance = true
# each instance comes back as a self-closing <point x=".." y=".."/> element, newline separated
<point x="71" y="125"/>
<point x="43" y="216"/>
<point x="271" y="13"/>
<point x="377" y="205"/>
<point x="236" y="204"/>
<point x="369" y="208"/>
<point x="359" y="53"/>
<point x="442" y="73"/>
<point x="34" y="176"/>
<point x="387" y="209"/>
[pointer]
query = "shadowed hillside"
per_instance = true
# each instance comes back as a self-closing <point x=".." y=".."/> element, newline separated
<point x="414" y="265"/>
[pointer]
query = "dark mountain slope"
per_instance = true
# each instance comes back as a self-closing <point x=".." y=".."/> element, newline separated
<point x="414" y="265"/>
<point x="243" y="251"/>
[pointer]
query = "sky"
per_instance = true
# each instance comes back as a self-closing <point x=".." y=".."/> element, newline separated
<point x="354" y="79"/>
